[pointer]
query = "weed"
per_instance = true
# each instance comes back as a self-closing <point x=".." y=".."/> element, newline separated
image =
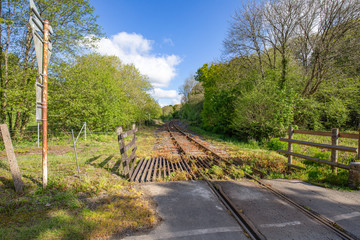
<point x="252" y="154"/>
<point x="97" y="206"/>
<point x="275" y="144"/>
<point x="217" y="171"/>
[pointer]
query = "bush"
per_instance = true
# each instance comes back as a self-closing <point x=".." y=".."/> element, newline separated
<point x="263" y="112"/>
<point x="275" y="144"/>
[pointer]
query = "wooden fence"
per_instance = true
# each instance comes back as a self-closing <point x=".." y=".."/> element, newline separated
<point x="128" y="162"/>
<point x="354" y="168"/>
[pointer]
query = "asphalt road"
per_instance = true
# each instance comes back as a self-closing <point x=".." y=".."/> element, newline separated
<point x="342" y="207"/>
<point x="190" y="210"/>
<point x="273" y="217"/>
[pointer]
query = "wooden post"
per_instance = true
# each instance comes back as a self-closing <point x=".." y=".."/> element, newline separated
<point x="134" y="136"/>
<point x="290" y="148"/>
<point x="121" y="141"/>
<point x="334" y="153"/>
<point x="354" y="175"/>
<point x="14" y="168"/>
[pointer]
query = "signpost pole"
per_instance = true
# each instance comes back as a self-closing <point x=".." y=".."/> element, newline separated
<point x="38" y="135"/>
<point x="44" y="101"/>
<point x="43" y="52"/>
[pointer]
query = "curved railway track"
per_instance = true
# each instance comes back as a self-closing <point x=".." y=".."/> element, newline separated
<point x="194" y="162"/>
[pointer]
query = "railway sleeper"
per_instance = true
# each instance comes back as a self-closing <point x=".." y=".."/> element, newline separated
<point x="160" y="169"/>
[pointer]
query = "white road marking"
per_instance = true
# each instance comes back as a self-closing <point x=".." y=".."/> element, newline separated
<point x="219" y="208"/>
<point x="346" y="216"/>
<point x="279" y="225"/>
<point x="186" y="233"/>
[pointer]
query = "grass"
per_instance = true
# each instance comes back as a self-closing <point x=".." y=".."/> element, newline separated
<point x="262" y="159"/>
<point x="102" y="203"/>
<point x="99" y="205"/>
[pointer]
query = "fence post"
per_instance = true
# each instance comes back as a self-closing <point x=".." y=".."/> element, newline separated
<point x="121" y="141"/>
<point x="85" y="131"/>
<point x="290" y="148"/>
<point x="354" y="175"/>
<point x="14" y="167"/>
<point x="334" y="153"/>
<point x="133" y="127"/>
<point x="77" y="162"/>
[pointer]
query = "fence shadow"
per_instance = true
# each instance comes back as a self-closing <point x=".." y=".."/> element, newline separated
<point x="93" y="159"/>
<point x="105" y="162"/>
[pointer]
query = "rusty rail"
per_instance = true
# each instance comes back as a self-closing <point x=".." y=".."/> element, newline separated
<point x="249" y="228"/>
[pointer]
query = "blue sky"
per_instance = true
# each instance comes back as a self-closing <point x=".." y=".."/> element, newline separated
<point x="167" y="40"/>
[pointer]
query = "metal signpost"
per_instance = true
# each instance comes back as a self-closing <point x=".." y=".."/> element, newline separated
<point x="40" y="32"/>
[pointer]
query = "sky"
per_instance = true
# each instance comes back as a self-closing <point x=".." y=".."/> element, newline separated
<point x="167" y="40"/>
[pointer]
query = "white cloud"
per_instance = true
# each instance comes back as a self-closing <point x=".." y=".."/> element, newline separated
<point x="172" y="95"/>
<point x="169" y="41"/>
<point x="133" y="48"/>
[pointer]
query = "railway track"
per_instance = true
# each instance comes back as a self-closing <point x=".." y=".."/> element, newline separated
<point x="247" y="226"/>
<point x="186" y="165"/>
<point x="195" y="158"/>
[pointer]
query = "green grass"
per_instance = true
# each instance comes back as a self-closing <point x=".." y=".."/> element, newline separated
<point x="102" y="203"/>
<point x="253" y="156"/>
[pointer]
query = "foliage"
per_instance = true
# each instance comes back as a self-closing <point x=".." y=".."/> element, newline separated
<point x="263" y="112"/>
<point x="73" y="21"/>
<point x="98" y="206"/>
<point x="275" y="144"/>
<point x="167" y="112"/>
<point x="284" y="68"/>
<point x="101" y="91"/>
<point x="192" y="108"/>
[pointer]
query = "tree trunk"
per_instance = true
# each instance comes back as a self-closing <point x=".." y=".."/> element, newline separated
<point x="10" y="121"/>
<point x="284" y="65"/>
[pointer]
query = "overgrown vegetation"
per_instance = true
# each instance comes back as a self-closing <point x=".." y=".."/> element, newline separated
<point x="72" y="21"/>
<point x="290" y="62"/>
<point x="99" y="205"/>
<point x="101" y="91"/>
<point x="262" y="160"/>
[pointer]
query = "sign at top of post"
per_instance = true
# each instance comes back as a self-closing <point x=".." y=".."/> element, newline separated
<point x="37" y="29"/>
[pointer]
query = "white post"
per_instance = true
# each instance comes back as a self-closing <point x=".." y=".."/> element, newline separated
<point x="85" y="131"/>
<point x="77" y="162"/>
<point x="79" y="133"/>
<point x="38" y="132"/>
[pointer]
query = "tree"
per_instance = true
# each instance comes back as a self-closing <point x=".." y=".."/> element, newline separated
<point x="327" y="23"/>
<point x="167" y="111"/>
<point x="246" y="35"/>
<point x="73" y="21"/>
<point x="282" y="17"/>
<point x="101" y="91"/>
<point x="186" y="88"/>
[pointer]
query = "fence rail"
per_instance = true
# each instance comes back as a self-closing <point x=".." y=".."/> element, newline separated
<point x="353" y="167"/>
<point x="128" y="162"/>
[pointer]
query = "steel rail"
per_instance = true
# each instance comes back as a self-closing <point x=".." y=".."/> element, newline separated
<point x="321" y="219"/>
<point x="248" y="228"/>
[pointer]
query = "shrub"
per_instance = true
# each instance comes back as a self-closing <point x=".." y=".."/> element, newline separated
<point x="275" y="144"/>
